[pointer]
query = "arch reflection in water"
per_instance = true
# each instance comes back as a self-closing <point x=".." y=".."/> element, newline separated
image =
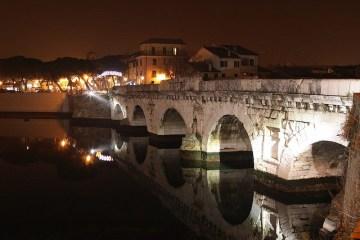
<point x="171" y="161"/>
<point x="234" y="191"/>
<point x="140" y="148"/>
<point x="224" y="203"/>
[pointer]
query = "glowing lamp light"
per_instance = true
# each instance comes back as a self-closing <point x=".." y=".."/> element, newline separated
<point x="92" y="151"/>
<point x="161" y="77"/>
<point x="1" y="83"/>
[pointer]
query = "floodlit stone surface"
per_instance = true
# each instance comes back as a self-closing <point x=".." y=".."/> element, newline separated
<point x="279" y="120"/>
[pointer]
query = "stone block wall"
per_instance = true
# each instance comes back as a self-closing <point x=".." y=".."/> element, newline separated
<point x="91" y="107"/>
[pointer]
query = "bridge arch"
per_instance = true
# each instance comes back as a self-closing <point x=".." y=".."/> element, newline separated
<point x="118" y="114"/>
<point x="313" y="152"/>
<point x="173" y="123"/>
<point x="138" y="117"/>
<point x="320" y="159"/>
<point x="118" y="111"/>
<point x="231" y="141"/>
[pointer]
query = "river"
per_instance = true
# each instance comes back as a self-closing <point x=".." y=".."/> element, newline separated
<point x="64" y="180"/>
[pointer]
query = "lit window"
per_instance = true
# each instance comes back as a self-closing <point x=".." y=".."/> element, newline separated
<point x="153" y="74"/>
<point x="175" y="51"/>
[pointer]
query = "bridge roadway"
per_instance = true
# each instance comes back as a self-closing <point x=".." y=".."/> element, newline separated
<point x="291" y="127"/>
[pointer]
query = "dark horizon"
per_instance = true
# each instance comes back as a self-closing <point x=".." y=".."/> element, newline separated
<point x="281" y="32"/>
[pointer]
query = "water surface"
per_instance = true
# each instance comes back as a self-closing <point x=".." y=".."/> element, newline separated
<point x="62" y="181"/>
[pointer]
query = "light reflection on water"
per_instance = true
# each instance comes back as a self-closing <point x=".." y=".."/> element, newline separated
<point x="217" y="202"/>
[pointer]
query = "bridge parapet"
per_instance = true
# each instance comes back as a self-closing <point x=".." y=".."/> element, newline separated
<point x="327" y="87"/>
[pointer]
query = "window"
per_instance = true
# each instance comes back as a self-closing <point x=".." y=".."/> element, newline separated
<point x="140" y="61"/>
<point x="245" y="62"/>
<point x="153" y="74"/>
<point x="275" y="139"/>
<point x="216" y="75"/>
<point x="206" y="76"/>
<point x="223" y="75"/>
<point x="236" y="64"/>
<point x="153" y="50"/>
<point x="235" y="75"/>
<point x="175" y="51"/>
<point x="164" y="51"/>
<point x="154" y="61"/>
<point x="223" y="63"/>
<point x="252" y="62"/>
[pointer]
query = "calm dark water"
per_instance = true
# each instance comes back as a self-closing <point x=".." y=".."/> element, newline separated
<point x="61" y="181"/>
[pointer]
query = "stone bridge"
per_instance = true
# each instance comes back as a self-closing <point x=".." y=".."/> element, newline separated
<point x="291" y="127"/>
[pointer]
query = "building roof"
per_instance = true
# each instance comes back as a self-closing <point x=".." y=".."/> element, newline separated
<point x="221" y="52"/>
<point x="164" y="41"/>
<point x="229" y="51"/>
<point x="240" y="50"/>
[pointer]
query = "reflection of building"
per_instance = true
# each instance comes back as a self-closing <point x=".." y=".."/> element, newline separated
<point x="157" y="60"/>
<point x="227" y="61"/>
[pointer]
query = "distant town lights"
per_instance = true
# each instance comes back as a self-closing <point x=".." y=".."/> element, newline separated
<point x="110" y="73"/>
<point x="91" y="93"/>
<point x="105" y="158"/>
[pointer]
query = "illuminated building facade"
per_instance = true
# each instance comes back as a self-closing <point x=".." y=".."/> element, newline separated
<point x="227" y="61"/>
<point x="158" y="59"/>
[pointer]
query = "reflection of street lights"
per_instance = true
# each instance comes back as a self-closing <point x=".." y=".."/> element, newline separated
<point x="64" y="143"/>
<point x="88" y="159"/>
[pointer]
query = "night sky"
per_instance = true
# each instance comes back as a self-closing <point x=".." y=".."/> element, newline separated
<point x="281" y="31"/>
